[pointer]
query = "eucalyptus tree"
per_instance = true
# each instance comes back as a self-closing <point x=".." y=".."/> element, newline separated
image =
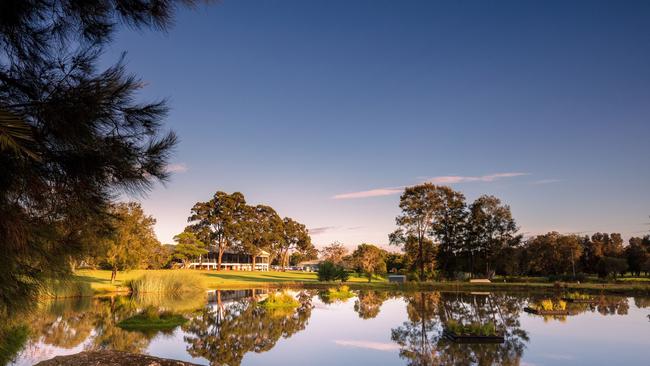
<point x="490" y="229"/>
<point x="188" y="247"/>
<point x="295" y="237"/>
<point x="334" y="252"/>
<point x="449" y="226"/>
<point x="133" y="240"/>
<point x="415" y="223"/>
<point x="217" y="222"/>
<point x="370" y="260"/>
<point x="431" y="213"/>
<point x="72" y="137"/>
<point x="260" y="230"/>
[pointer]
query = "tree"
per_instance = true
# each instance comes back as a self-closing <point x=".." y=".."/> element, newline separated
<point x="429" y="213"/>
<point x="491" y="229"/>
<point x="449" y="225"/>
<point x="72" y="137"/>
<point x="133" y="240"/>
<point x="370" y="260"/>
<point x="187" y="247"/>
<point x="161" y="257"/>
<point x="295" y="237"/>
<point x="636" y="256"/>
<point x="261" y="229"/>
<point x="599" y="246"/>
<point x="217" y="221"/>
<point x="553" y="253"/>
<point x="416" y="219"/>
<point x="296" y="257"/>
<point x="334" y="252"/>
<point x="611" y="266"/>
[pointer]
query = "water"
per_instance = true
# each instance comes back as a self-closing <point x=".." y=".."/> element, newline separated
<point x="371" y="327"/>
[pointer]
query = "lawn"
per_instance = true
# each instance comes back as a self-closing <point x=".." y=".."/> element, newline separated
<point x="100" y="280"/>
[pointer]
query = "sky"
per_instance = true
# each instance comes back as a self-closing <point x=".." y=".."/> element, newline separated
<point x="325" y="110"/>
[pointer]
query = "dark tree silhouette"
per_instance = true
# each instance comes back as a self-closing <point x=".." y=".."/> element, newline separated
<point x="72" y="137"/>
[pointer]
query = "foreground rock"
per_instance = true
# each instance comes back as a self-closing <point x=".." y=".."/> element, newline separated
<point x="111" y="358"/>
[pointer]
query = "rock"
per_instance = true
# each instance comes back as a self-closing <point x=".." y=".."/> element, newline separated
<point x="111" y="358"/>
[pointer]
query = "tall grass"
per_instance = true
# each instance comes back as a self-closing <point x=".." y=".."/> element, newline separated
<point x="168" y="283"/>
<point x="58" y="289"/>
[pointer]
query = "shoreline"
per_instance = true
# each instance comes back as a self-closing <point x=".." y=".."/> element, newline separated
<point x="591" y="288"/>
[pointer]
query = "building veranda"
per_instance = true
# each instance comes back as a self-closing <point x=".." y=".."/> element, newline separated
<point x="232" y="260"/>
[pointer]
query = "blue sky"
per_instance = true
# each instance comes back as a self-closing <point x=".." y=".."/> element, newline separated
<point x="325" y="109"/>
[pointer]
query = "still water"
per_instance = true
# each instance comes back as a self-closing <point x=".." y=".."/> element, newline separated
<point x="360" y="328"/>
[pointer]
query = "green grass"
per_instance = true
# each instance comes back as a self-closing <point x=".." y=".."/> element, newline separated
<point x="150" y="319"/>
<point x="99" y="281"/>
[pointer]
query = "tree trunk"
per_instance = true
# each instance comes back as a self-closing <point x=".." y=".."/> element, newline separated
<point x="254" y="258"/>
<point x="219" y="259"/>
<point x="421" y="255"/>
<point x="113" y="274"/>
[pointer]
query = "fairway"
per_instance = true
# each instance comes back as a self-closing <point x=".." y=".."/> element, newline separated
<point x="100" y="280"/>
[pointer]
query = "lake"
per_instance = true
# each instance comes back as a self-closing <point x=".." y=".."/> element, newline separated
<point x="350" y="328"/>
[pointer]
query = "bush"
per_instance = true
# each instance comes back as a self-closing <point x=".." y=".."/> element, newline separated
<point x="328" y="271"/>
<point x="168" y="282"/>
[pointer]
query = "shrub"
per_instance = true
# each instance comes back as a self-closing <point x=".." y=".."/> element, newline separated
<point x="168" y="282"/>
<point x="328" y="271"/>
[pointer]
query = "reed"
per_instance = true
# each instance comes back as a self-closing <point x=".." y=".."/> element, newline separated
<point x="168" y="283"/>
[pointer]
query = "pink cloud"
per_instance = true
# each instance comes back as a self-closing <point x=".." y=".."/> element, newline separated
<point x="371" y="193"/>
<point x="177" y="168"/>
<point x="448" y="179"/>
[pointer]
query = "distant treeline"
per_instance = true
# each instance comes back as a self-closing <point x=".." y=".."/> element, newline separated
<point x="441" y="235"/>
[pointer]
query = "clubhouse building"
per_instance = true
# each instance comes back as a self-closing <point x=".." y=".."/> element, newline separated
<point x="232" y="260"/>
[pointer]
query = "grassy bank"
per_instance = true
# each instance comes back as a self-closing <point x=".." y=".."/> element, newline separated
<point x="99" y="282"/>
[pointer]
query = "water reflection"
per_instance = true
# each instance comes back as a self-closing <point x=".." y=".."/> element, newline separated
<point x="225" y="332"/>
<point x="224" y="327"/>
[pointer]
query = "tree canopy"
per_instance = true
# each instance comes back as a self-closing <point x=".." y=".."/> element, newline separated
<point x="72" y="137"/>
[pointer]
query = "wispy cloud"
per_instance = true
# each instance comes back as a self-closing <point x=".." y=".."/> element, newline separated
<point x="321" y="230"/>
<point x="377" y="346"/>
<point x="447" y="179"/>
<point x="546" y="181"/>
<point x="177" y="168"/>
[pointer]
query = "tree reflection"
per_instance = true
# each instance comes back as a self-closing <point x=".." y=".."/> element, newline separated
<point x="421" y="338"/>
<point x="418" y="336"/>
<point x="369" y="303"/>
<point x="225" y="333"/>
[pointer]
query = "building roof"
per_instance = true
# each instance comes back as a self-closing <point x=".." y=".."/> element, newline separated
<point x="312" y="262"/>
